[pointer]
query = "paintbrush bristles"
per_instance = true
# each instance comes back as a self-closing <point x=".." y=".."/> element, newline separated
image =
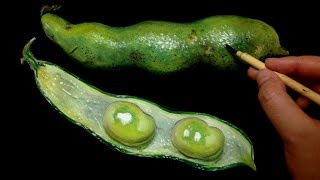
<point x="230" y="49"/>
<point x="246" y="58"/>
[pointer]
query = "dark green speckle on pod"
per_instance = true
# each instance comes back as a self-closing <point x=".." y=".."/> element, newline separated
<point x="164" y="47"/>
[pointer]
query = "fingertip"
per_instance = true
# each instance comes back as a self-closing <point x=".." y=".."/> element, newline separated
<point x="271" y="89"/>
<point x="252" y="73"/>
<point x="270" y="77"/>
<point x="271" y="59"/>
<point x="273" y="63"/>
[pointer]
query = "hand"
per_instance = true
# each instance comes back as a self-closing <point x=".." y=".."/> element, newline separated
<point x="299" y="132"/>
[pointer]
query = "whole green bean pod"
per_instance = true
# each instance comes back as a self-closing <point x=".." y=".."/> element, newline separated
<point x="164" y="47"/>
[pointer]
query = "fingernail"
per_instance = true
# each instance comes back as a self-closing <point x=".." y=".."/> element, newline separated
<point x="270" y="59"/>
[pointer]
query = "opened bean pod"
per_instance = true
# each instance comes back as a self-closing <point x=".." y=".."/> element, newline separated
<point x="138" y="127"/>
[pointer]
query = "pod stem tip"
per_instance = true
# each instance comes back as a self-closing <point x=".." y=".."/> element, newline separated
<point x="49" y="8"/>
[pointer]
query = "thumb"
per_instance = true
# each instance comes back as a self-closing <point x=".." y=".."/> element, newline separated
<point x="285" y="115"/>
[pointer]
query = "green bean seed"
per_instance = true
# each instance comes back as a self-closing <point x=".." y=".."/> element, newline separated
<point x="126" y="123"/>
<point x="194" y="138"/>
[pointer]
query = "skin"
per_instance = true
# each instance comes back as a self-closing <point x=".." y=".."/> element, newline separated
<point x="300" y="132"/>
<point x="163" y="47"/>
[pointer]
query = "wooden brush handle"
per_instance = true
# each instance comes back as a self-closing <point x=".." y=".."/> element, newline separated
<point x="298" y="87"/>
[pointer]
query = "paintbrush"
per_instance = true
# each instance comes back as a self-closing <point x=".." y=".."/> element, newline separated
<point x="291" y="83"/>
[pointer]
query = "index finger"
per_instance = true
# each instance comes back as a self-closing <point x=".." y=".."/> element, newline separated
<point x="302" y="66"/>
